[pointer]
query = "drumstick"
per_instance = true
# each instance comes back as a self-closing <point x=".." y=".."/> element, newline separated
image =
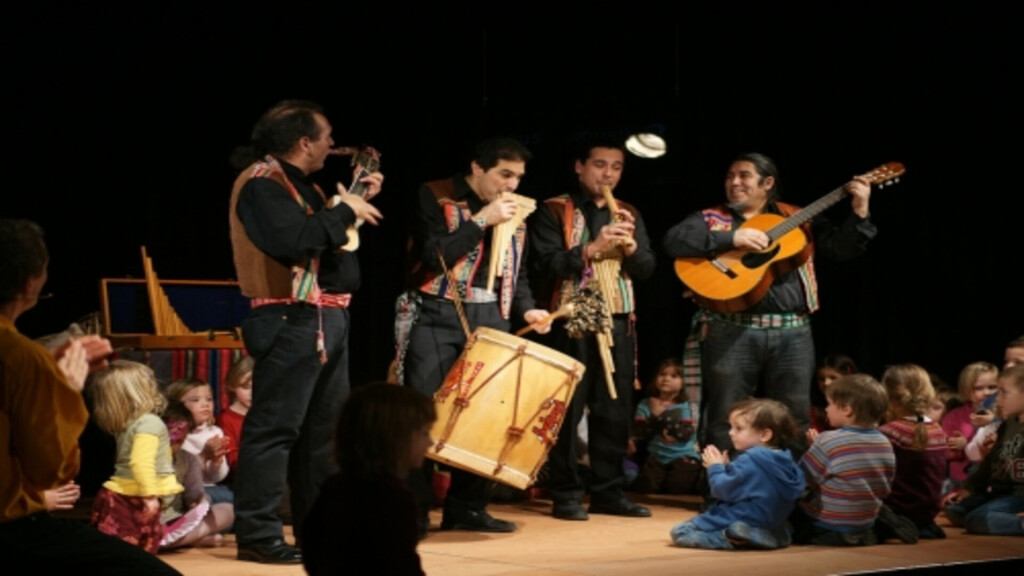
<point x="564" y="310"/>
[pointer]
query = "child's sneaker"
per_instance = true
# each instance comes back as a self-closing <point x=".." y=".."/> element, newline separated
<point x="931" y="531"/>
<point x="889" y="524"/>
<point x="743" y="535"/>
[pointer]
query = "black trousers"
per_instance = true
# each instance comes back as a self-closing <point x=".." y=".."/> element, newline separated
<point x="288" y="434"/>
<point x="608" y="421"/>
<point x="43" y="544"/>
<point x="435" y="343"/>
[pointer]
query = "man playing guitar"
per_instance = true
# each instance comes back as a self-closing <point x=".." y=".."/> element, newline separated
<point x="767" y="340"/>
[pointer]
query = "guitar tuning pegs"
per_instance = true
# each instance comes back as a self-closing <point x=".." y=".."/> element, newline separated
<point x="896" y="180"/>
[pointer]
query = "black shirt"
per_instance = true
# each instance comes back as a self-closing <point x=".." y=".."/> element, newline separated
<point x="279" y="226"/>
<point x="691" y="238"/>
<point x="430" y="234"/>
<point x="555" y="262"/>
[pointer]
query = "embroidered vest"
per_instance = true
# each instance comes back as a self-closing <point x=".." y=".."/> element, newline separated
<point x="457" y="213"/>
<point x="720" y="218"/>
<point x="575" y="233"/>
<point x="259" y="275"/>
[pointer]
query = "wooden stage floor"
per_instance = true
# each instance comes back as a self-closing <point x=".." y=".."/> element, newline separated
<point x="609" y="545"/>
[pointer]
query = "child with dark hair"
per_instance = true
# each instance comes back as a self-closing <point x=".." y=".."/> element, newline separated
<point x="664" y="421"/>
<point x="364" y="520"/>
<point x="830" y="368"/>
<point x="207" y="440"/>
<point x="190" y="519"/>
<point x="849" y="470"/>
<point x="1014" y="353"/>
<point x="755" y="492"/>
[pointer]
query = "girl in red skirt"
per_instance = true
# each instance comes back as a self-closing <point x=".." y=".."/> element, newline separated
<point x="127" y="405"/>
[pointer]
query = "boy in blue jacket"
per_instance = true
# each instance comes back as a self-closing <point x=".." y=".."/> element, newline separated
<point x="755" y="493"/>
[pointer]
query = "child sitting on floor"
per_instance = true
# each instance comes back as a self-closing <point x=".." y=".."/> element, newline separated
<point x="239" y="386"/>
<point x="849" y="470"/>
<point x="663" y="420"/>
<point x="830" y="368"/>
<point x="920" y="447"/>
<point x="207" y="441"/>
<point x="190" y="519"/>
<point x="977" y="382"/>
<point x="127" y="404"/>
<point x="992" y="501"/>
<point x="755" y="492"/>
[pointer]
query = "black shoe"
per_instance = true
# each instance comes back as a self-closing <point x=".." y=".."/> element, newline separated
<point x="743" y="535"/>
<point x="475" y="521"/>
<point x="931" y="531"/>
<point x="571" y="510"/>
<point x="275" y="551"/>
<point x="823" y="537"/>
<point x="621" y="507"/>
<point x="890" y="525"/>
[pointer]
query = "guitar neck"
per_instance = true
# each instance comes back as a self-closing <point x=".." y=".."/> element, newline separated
<point x="358" y="187"/>
<point x="806" y="214"/>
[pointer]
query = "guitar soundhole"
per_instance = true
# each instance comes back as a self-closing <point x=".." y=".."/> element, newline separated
<point x="758" y="259"/>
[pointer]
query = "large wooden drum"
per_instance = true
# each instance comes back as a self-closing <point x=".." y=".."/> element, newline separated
<point x="501" y="406"/>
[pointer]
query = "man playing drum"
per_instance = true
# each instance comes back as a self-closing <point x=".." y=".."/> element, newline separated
<point x="574" y="235"/>
<point x="454" y="218"/>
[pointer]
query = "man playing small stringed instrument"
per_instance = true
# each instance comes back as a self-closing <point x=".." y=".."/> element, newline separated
<point x="286" y="236"/>
<point x="759" y="333"/>
<point x="457" y="219"/>
<point x="579" y="234"/>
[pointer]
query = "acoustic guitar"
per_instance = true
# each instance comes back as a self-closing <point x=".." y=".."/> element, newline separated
<point x="736" y="280"/>
<point x="368" y="161"/>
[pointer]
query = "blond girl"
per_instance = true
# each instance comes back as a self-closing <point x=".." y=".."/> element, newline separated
<point x="977" y="382"/>
<point x="127" y="404"/>
<point x="920" y="448"/>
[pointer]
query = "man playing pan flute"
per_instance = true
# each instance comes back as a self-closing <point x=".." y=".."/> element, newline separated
<point x="573" y="235"/>
<point x="769" y="342"/>
<point x="457" y="220"/>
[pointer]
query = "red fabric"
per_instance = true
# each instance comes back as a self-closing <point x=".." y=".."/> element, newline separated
<point x="230" y="423"/>
<point x="126" y="517"/>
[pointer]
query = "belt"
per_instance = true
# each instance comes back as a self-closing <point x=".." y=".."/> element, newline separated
<point x="325" y="301"/>
<point x="780" y="320"/>
<point x="478" y="296"/>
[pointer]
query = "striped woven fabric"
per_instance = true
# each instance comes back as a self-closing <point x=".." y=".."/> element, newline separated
<point x="849" y="472"/>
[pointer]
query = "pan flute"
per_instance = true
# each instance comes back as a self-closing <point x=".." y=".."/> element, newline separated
<point x="501" y="239"/>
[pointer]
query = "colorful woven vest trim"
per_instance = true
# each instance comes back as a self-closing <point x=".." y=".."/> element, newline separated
<point x="575" y="233"/>
<point x="720" y="219"/>
<point x="464" y="270"/>
<point x="304" y="276"/>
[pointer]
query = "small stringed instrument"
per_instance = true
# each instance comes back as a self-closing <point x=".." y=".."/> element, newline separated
<point x="368" y="161"/>
<point x="736" y="280"/>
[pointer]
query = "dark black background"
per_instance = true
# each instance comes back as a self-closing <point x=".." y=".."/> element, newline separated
<point x="119" y="123"/>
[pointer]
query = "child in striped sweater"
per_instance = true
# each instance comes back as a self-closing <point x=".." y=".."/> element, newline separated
<point x="849" y="470"/>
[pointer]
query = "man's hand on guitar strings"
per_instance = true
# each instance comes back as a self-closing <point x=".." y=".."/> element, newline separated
<point x="373" y="183"/>
<point x="363" y="209"/>
<point x="750" y="239"/>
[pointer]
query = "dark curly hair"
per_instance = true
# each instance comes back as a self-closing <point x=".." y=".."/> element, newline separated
<point x="279" y="129"/>
<point x="23" y="256"/>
